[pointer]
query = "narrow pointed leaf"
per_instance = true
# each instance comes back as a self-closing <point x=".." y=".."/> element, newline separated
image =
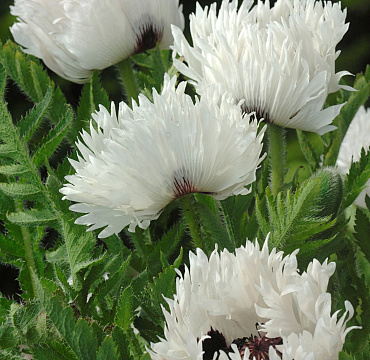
<point x="32" y="217"/>
<point x="29" y="123"/>
<point x="54" y="138"/>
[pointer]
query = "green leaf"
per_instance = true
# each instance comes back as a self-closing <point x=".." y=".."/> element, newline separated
<point x="32" y="217"/>
<point x="79" y="245"/>
<point x="92" y="95"/>
<point x="19" y="190"/>
<point x="29" y="123"/>
<point x="124" y="312"/>
<point x="56" y="350"/>
<point x="295" y="218"/>
<point x="11" y="246"/>
<point x="356" y="179"/>
<point x="13" y="170"/>
<point x="53" y="139"/>
<point x="78" y="335"/>
<point x="2" y="81"/>
<point x="213" y="227"/>
<point x="107" y="350"/>
<point x="362" y="229"/>
<point x="345" y="356"/>
<point x="8" y="336"/>
<point x="309" y="150"/>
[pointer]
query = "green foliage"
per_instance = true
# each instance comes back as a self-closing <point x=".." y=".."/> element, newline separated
<point x="87" y="298"/>
<point x="356" y="179"/>
<point x="295" y="220"/>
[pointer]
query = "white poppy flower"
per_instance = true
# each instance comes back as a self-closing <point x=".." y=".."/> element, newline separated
<point x="76" y="37"/>
<point x="252" y="304"/>
<point x="281" y="60"/>
<point x="138" y="161"/>
<point x="357" y="138"/>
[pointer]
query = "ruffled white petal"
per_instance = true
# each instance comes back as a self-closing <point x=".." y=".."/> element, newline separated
<point x="356" y="138"/>
<point x="230" y="293"/>
<point x="280" y="59"/>
<point x="137" y="161"/>
<point x="76" y="37"/>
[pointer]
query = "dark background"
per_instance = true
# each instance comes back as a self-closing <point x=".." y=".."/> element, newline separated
<point x="355" y="55"/>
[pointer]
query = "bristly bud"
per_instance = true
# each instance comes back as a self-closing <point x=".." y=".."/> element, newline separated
<point x="331" y="191"/>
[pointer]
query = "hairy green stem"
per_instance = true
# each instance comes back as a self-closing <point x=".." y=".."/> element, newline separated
<point x="191" y="220"/>
<point x="128" y="80"/>
<point x="228" y="222"/>
<point x="28" y="254"/>
<point x="277" y="157"/>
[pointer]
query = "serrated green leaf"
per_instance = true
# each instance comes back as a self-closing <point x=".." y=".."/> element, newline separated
<point x="53" y="139"/>
<point x="356" y="179"/>
<point x="5" y="305"/>
<point x="19" y="190"/>
<point x="261" y="214"/>
<point x="8" y="336"/>
<point x="30" y="321"/>
<point x="79" y="245"/>
<point x="78" y="335"/>
<point x="107" y="350"/>
<point x="308" y="150"/>
<point x="11" y="246"/>
<point x="52" y="350"/>
<point x="111" y="287"/>
<point x="7" y="150"/>
<point x="29" y="123"/>
<point x="124" y="312"/>
<point x="13" y="170"/>
<point x="167" y="245"/>
<point x="122" y="343"/>
<point x="213" y="227"/>
<point x="362" y="229"/>
<point x="295" y="218"/>
<point x="32" y="217"/>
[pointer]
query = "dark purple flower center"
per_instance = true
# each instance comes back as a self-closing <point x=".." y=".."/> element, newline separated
<point x="258" y="346"/>
<point x="148" y="36"/>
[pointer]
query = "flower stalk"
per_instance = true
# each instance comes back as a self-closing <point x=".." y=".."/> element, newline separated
<point x="28" y="254"/>
<point x="191" y="220"/>
<point x="128" y="80"/>
<point x="277" y="144"/>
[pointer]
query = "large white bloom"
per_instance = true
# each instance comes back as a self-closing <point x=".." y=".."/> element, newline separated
<point x="76" y="37"/>
<point x="221" y="299"/>
<point x="357" y="138"/>
<point x="281" y="60"/>
<point x="138" y="161"/>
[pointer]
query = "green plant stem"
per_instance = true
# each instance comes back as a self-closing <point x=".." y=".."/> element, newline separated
<point x="191" y="220"/>
<point x="277" y="157"/>
<point x="228" y="222"/>
<point x="28" y="254"/>
<point x="128" y="80"/>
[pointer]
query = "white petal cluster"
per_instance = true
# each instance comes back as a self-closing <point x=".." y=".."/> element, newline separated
<point x="76" y="37"/>
<point x="133" y="164"/>
<point x="230" y="293"/>
<point x="357" y="138"/>
<point x="280" y="59"/>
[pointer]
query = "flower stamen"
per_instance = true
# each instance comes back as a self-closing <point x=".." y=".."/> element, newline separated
<point x="183" y="186"/>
